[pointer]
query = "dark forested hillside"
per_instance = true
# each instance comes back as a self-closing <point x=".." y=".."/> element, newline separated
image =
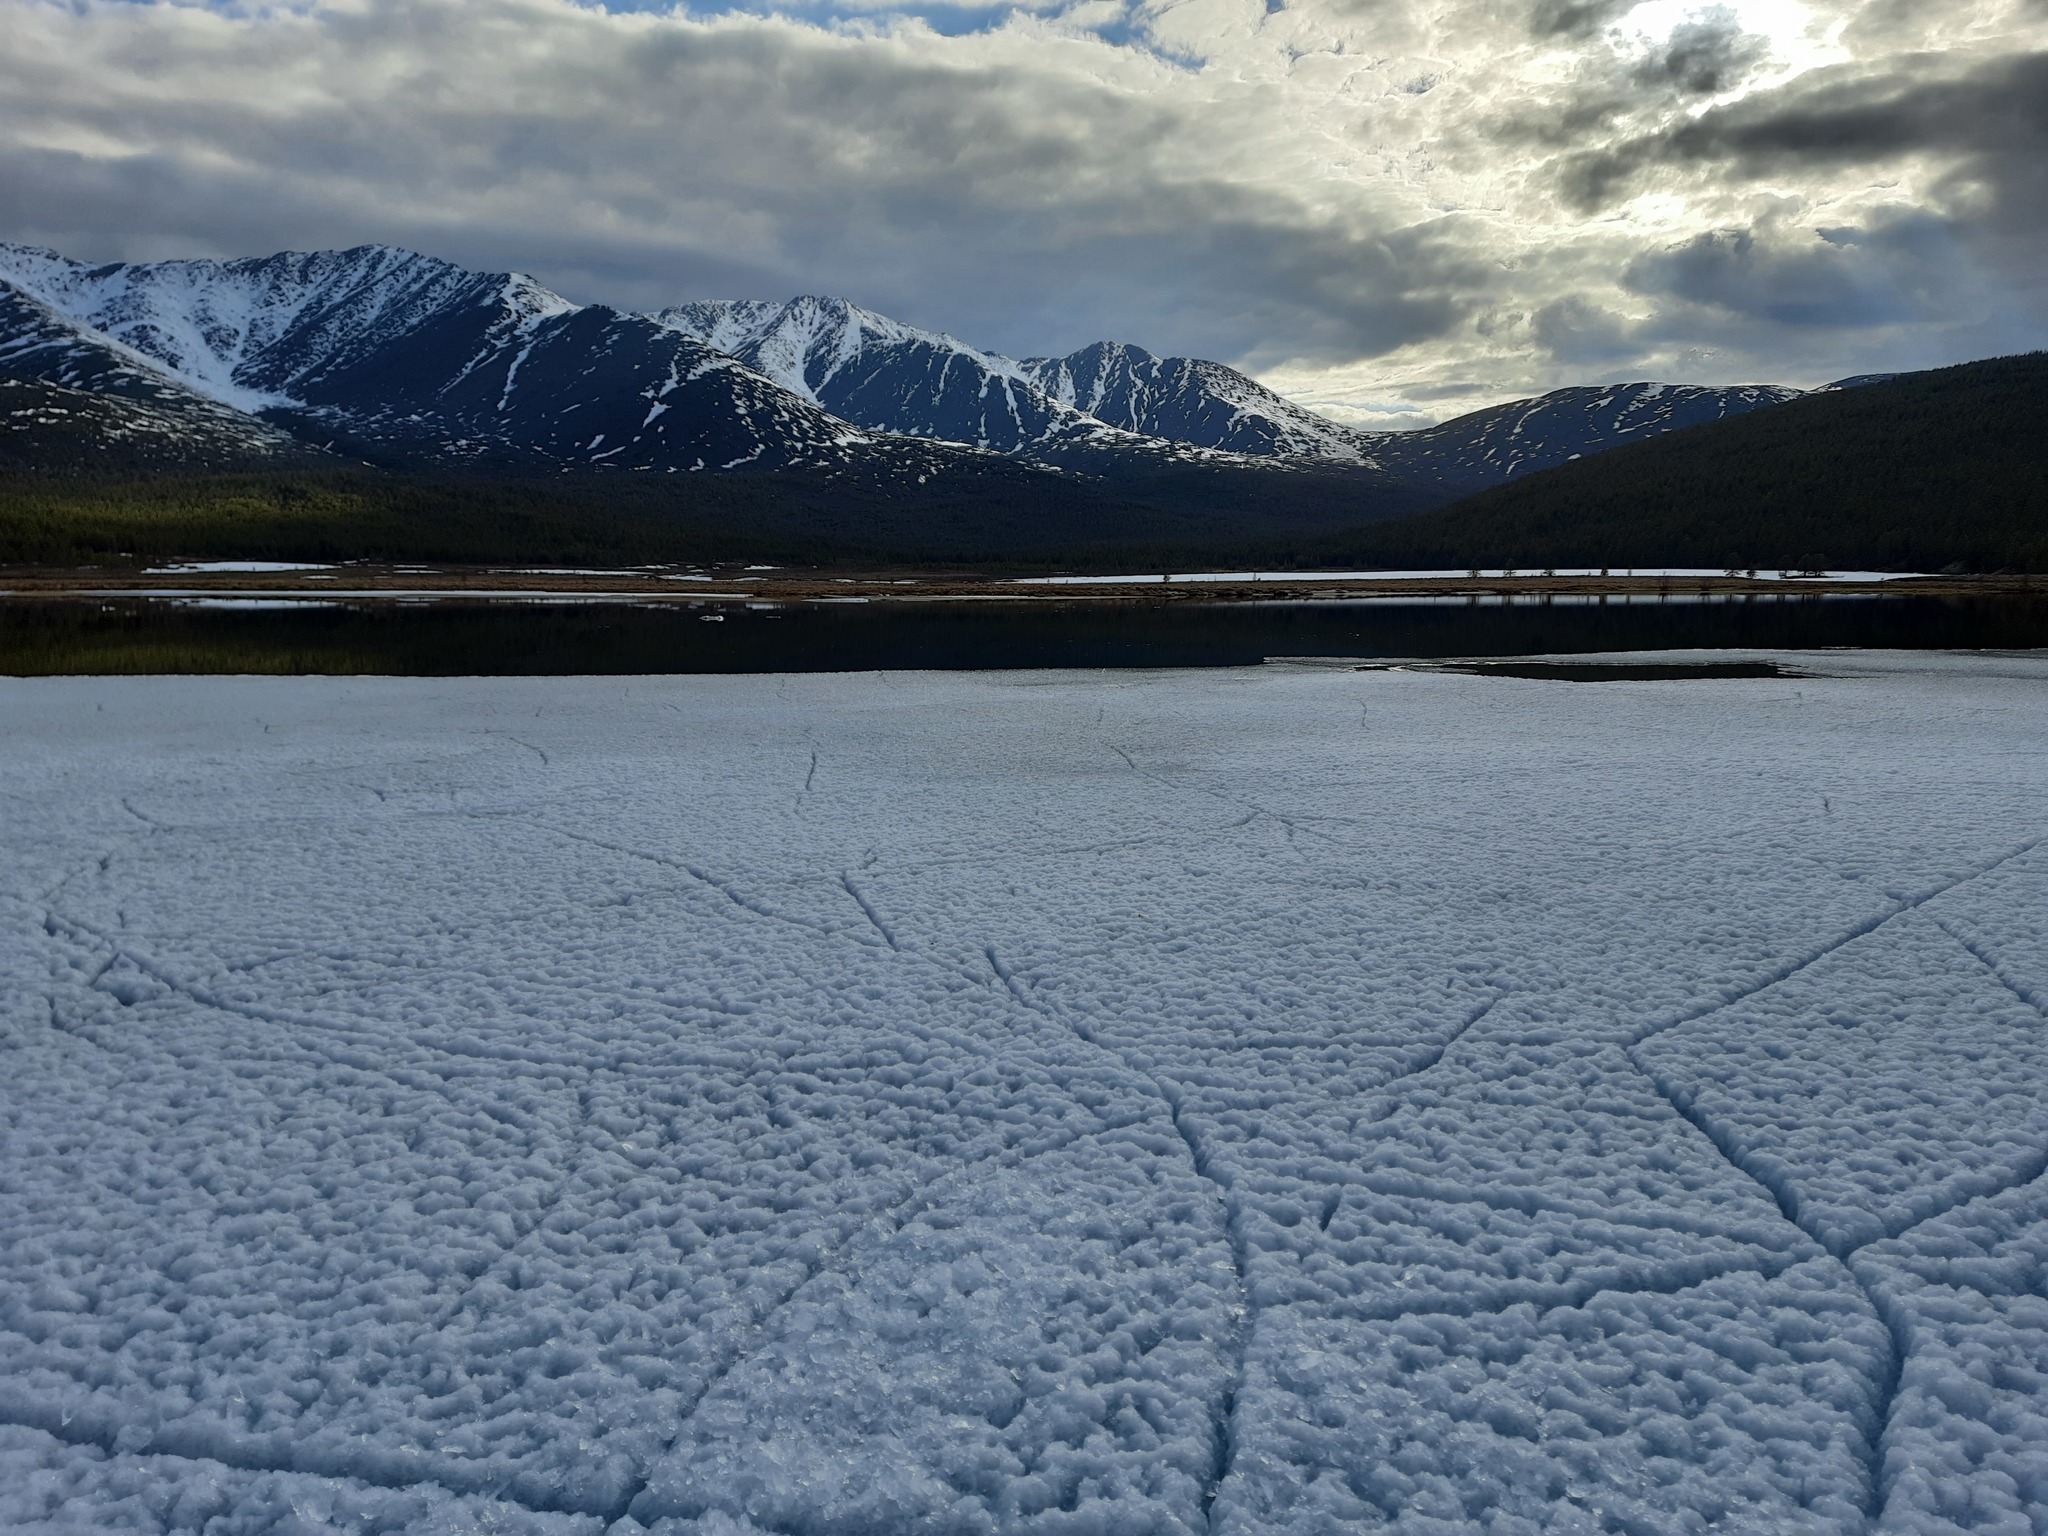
<point x="994" y="511"/>
<point x="1920" y="472"/>
<point x="1924" y="472"/>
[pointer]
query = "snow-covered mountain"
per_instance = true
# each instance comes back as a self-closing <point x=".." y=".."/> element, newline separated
<point x="270" y="331"/>
<point x="882" y="374"/>
<point x="1504" y="442"/>
<point x="889" y="377"/>
<point x="1192" y="401"/>
<point x="893" y="377"/>
<point x="402" y="356"/>
<point x="66" y="386"/>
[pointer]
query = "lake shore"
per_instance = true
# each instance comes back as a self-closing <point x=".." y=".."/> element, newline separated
<point x="713" y="584"/>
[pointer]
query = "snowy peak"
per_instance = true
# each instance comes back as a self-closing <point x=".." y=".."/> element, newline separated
<point x="407" y="358"/>
<point x="1506" y="441"/>
<point x="1192" y="401"/>
<point x="53" y="369"/>
<point x="252" y="333"/>
<point x="526" y="303"/>
<point x="883" y="374"/>
<point x="805" y="343"/>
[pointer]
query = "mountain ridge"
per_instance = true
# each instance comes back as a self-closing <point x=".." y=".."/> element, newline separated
<point x="1518" y="437"/>
<point x="889" y="376"/>
<point x="1920" y="471"/>
<point x="406" y="364"/>
<point x="59" y="376"/>
<point x="403" y="358"/>
<point x="1197" y="400"/>
<point x="412" y="360"/>
<point x="400" y="357"/>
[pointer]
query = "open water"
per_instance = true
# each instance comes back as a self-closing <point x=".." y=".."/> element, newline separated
<point x="570" y="637"/>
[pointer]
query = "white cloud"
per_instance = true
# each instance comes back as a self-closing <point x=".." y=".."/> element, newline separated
<point x="1391" y="203"/>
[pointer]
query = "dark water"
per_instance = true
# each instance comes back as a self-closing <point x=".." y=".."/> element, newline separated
<point x="462" y="638"/>
<point x="1608" y="671"/>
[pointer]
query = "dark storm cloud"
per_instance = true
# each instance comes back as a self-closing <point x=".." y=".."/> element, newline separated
<point x="810" y="165"/>
<point x="1609" y="88"/>
<point x="1579" y="333"/>
<point x="1576" y="18"/>
<point x="1704" y="57"/>
<point x="1962" y="258"/>
<point x="1385" y="197"/>
<point x="1908" y="266"/>
<point x="1990" y="122"/>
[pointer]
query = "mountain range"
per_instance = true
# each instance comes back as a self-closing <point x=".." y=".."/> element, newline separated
<point x="404" y="360"/>
<point x="377" y="400"/>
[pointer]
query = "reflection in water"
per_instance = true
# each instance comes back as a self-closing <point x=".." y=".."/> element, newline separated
<point x="454" y="638"/>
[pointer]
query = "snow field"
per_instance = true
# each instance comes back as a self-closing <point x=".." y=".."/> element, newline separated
<point x="1282" y="1100"/>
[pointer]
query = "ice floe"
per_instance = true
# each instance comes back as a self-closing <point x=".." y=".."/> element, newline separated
<point x="1288" y="1099"/>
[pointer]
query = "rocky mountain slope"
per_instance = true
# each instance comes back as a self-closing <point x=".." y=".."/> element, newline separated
<point x="1918" y="472"/>
<point x="69" y="396"/>
<point x="1505" y="442"/>
<point x="406" y="360"/>
<point x="1190" y="400"/>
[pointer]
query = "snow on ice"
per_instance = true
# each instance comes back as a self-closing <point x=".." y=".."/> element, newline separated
<point x="1280" y="1100"/>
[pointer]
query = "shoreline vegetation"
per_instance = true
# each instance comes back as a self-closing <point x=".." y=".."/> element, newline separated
<point x="1617" y="510"/>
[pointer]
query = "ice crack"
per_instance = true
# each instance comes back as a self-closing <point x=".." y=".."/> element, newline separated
<point x="1202" y="1159"/>
<point x="1885" y="1384"/>
<point x="395" y="1471"/>
<point x="868" y="908"/>
<point x="1983" y="957"/>
<point x="1430" y="1059"/>
<point x="922" y="1195"/>
<point x="1783" y="973"/>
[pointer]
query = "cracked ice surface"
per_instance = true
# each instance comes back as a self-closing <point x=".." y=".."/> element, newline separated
<point x="1282" y="1100"/>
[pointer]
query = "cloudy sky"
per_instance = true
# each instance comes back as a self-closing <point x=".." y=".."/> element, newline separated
<point x="1394" y="209"/>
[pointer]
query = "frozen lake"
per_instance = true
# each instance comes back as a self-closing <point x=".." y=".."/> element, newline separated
<point x="1286" y="1099"/>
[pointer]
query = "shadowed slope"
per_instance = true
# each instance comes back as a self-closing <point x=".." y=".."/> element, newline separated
<point x="1919" y="472"/>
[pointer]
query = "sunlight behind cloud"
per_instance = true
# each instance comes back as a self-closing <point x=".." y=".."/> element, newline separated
<point x="1411" y="205"/>
<point x="1798" y="39"/>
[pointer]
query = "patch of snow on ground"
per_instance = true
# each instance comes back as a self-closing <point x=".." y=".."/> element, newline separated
<point x="1278" y="1100"/>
